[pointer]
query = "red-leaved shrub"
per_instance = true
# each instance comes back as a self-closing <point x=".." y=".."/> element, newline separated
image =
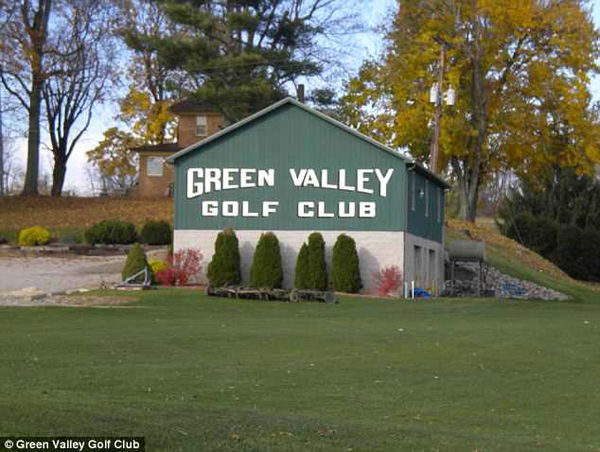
<point x="388" y="280"/>
<point x="183" y="266"/>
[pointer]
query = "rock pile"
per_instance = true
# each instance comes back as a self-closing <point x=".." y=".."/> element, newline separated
<point x="497" y="284"/>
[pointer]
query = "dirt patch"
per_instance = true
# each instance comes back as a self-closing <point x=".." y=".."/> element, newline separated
<point x="93" y="301"/>
<point x="80" y="301"/>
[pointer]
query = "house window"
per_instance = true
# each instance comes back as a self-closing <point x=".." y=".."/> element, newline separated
<point x="154" y="166"/>
<point x="426" y="198"/>
<point x="201" y="126"/>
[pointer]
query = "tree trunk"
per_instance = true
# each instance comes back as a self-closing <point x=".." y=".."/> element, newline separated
<point x="58" y="175"/>
<point x="2" y="176"/>
<point x="473" y="164"/>
<point x="37" y="30"/>
<point x="468" y="191"/>
<point x="33" y="140"/>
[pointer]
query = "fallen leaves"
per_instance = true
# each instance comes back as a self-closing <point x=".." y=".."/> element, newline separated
<point x="17" y="212"/>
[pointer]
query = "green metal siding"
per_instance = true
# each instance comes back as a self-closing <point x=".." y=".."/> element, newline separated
<point x="290" y="137"/>
<point x="423" y="222"/>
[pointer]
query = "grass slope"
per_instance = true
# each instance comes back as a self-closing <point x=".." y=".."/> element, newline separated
<point x="515" y="260"/>
<point x="192" y="373"/>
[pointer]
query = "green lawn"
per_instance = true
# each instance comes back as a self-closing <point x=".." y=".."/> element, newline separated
<point x="191" y="373"/>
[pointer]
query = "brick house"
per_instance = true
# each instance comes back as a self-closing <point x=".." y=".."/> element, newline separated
<point x="196" y="121"/>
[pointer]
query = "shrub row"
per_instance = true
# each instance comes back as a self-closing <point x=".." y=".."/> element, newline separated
<point x="124" y="232"/>
<point x="576" y="251"/>
<point x="267" y="271"/>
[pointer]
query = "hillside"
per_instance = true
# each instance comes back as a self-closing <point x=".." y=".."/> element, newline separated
<point x="516" y="260"/>
<point x="20" y="212"/>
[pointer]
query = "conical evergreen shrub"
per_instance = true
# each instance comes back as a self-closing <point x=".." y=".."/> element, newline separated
<point x="301" y="275"/>
<point x="345" y="272"/>
<point x="224" y="268"/>
<point x="136" y="262"/>
<point x="317" y="269"/>
<point x="266" y="269"/>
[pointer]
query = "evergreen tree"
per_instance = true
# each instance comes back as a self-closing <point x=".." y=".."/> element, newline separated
<point x="345" y="272"/>
<point x="317" y="269"/>
<point x="241" y="54"/>
<point x="224" y="268"/>
<point x="136" y="262"/>
<point x="266" y="270"/>
<point x="301" y="278"/>
<point x="558" y="194"/>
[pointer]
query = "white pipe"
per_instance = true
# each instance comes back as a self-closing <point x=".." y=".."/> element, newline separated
<point x="413" y="289"/>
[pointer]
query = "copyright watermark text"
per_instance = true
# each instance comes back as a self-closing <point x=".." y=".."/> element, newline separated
<point x="73" y="444"/>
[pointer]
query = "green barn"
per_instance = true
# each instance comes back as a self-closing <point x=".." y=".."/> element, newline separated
<point x="292" y="170"/>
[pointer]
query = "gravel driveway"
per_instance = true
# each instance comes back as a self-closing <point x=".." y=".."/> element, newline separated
<point x="53" y="274"/>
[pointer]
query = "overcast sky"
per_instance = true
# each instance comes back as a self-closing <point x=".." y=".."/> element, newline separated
<point x="367" y="45"/>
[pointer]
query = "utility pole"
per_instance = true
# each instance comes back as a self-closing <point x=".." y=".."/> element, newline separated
<point x="436" y="96"/>
<point x="435" y="143"/>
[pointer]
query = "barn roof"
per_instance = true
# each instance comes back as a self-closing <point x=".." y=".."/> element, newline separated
<point x="192" y="106"/>
<point x="292" y="101"/>
<point x="165" y="147"/>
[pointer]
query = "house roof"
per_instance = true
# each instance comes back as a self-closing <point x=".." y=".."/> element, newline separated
<point x="192" y="106"/>
<point x="165" y="147"/>
<point x="292" y="101"/>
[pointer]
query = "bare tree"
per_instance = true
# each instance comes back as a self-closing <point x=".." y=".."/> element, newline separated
<point x="83" y="65"/>
<point x="6" y="12"/>
<point x="23" y="72"/>
<point x="12" y="171"/>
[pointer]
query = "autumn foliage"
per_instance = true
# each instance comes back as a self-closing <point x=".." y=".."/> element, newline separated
<point x="388" y="280"/>
<point x="521" y="74"/>
<point x="21" y="212"/>
<point x="182" y="267"/>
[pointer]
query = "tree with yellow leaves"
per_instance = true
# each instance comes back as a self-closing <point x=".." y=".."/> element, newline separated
<point x="115" y="161"/>
<point x="521" y="71"/>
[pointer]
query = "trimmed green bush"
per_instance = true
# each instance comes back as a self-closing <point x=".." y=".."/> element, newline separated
<point x="156" y="233"/>
<point x="317" y="273"/>
<point x="311" y="270"/>
<point x="33" y="236"/>
<point x="345" y="272"/>
<point x="266" y="269"/>
<point x="301" y="280"/>
<point x="111" y="232"/>
<point x="136" y="262"/>
<point x="224" y="268"/>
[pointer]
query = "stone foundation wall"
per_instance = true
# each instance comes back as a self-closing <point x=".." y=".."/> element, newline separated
<point x="375" y="249"/>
